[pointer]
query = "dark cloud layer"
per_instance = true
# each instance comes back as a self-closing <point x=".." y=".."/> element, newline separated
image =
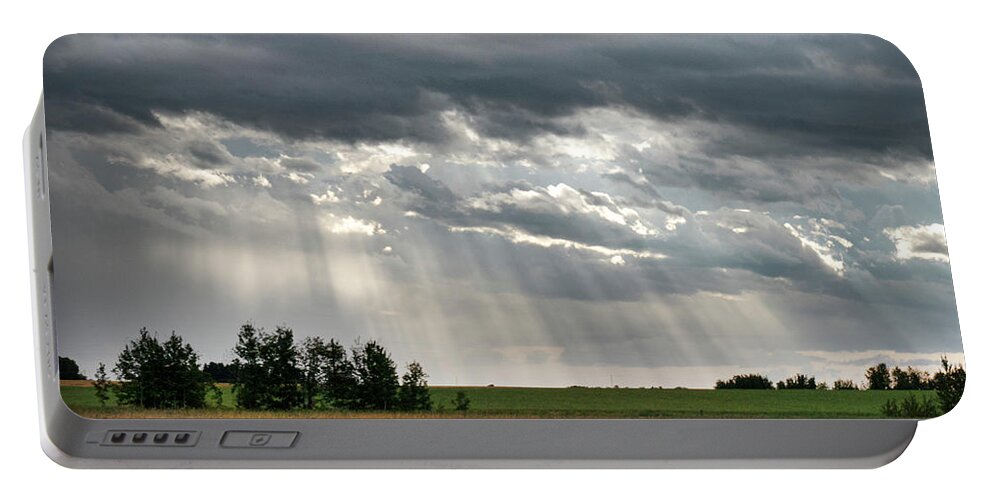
<point x="856" y="93"/>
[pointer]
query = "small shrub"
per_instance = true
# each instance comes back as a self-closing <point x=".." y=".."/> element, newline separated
<point x="911" y="407"/>
<point x="461" y="402"/>
<point x="216" y="396"/>
<point x="890" y="408"/>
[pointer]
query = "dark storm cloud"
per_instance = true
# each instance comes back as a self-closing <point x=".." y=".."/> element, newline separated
<point x="89" y="118"/>
<point x="856" y="93"/>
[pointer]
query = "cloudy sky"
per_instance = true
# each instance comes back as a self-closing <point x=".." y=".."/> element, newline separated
<point x="511" y="210"/>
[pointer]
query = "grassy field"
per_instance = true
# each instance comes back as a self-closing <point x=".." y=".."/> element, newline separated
<point x="530" y="402"/>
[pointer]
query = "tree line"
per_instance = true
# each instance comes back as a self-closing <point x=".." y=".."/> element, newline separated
<point x="948" y="384"/>
<point x="270" y="372"/>
<point x="69" y="370"/>
<point x="798" y="381"/>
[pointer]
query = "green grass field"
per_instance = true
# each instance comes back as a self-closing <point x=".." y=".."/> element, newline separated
<point x="530" y="402"/>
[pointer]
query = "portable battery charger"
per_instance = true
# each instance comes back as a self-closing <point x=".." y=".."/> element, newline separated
<point x="486" y="251"/>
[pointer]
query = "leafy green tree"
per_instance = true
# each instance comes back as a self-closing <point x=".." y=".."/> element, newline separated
<point x="101" y="385"/>
<point x="844" y="385"/>
<point x="338" y="380"/>
<point x="267" y="375"/>
<point x="899" y="379"/>
<point x="250" y="379"/>
<point x="313" y="353"/>
<point x="746" y="381"/>
<point x="69" y="370"/>
<point x="326" y="373"/>
<point x="377" y="377"/>
<point x="920" y="379"/>
<point x="949" y="383"/>
<point x="910" y="379"/>
<point x="157" y="374"/>
<point x="414" y="394"/>
<point x="284" y="375"/>
<point x="878" y="377"/>
<point x="461" y="402"/>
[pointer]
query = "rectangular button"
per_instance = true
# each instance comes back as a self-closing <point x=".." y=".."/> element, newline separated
<point x="259" y="439"/>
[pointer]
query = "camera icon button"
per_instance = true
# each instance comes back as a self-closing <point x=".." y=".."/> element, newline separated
<point x="258" y="439"/>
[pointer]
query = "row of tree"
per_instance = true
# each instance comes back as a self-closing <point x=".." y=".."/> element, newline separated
<point x="948" y="384"/>
<point x="881" y="378"/>
<point x="798" y="381"/>
<point x="270" y="372"/>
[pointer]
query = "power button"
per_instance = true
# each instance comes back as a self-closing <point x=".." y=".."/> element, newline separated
<point x="258" y="439"/>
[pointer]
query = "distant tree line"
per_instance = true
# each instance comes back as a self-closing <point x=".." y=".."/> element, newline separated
<point x="799" y="381"/>
<point x="757" y="381"/>
<point x="746" y="381"/>
<point x="270" y="372"/>
<point x="881" y="378"/>
<point x="69" y="370"/>
<point x="948" y="384"/>
<point x="219" y="372"/>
